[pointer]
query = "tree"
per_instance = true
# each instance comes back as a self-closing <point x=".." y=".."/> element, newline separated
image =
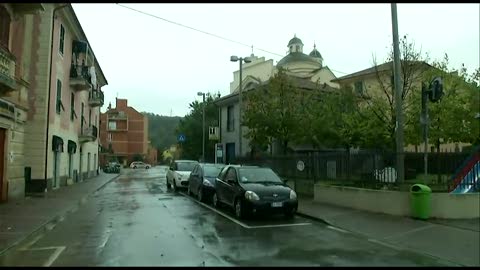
<point x="379" y="106"/>
<point x="452" y="119"/>
<point x="161" y="130"/>
<point x="271" y="112"/>
<point x="191" y="127"/>
<point x="331" y="119"/>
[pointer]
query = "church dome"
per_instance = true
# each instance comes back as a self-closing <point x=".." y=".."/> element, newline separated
<point x="294" y="41"/>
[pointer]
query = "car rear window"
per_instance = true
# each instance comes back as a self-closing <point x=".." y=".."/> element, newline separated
<point x="186" y="166"/>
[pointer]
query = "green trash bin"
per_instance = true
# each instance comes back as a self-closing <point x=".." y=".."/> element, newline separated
<point x="420" y="201"/>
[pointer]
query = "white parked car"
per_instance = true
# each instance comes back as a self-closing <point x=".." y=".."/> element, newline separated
<point x="139" y="164"/>
<point x="179" y="172"/>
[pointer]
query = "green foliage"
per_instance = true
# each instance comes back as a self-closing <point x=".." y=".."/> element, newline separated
<point x="191" y="126"/>
<point x="452" y="119"/>
<point x="161" y="130"/>
<point x="281" y="111"/>
<point x="272" y="112"/>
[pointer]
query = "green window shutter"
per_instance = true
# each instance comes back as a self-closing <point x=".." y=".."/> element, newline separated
<point x="59" y="95"/>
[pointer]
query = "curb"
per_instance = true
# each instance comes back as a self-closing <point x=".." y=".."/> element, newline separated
<point x="44" y="225"/>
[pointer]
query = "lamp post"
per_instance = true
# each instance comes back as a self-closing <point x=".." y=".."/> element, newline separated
<point x="203" y="125"/>
<point x="234" y="58"/>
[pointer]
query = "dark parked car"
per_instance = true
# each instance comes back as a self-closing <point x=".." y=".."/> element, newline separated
<point x="251" y="189"/>
<point x="201" y="182"/>
<point x="112" y="167"/>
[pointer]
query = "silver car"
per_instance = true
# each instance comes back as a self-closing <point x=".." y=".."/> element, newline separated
<point x="139" y="164"/>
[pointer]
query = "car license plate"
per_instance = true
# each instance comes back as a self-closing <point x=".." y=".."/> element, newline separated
<point x="277" y="204"/>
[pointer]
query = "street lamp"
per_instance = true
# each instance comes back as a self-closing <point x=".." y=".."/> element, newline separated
<point x="235" y="58"/>
<point x="203" y="125"/>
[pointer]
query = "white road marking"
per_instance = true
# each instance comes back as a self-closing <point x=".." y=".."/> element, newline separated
<point x="337" y="229"/>
<point x="241" y="223"/>
<point x="31" y="243"/>
<point x="409" y="232"/>
<point x="384" y="244"/>
<point x="54" y="256"/>
<point x="106" y="240"/>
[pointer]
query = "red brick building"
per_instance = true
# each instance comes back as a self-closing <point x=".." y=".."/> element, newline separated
<point x="123" y="134"/>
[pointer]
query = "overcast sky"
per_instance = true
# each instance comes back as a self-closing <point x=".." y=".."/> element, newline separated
<point x="159" y="66"/>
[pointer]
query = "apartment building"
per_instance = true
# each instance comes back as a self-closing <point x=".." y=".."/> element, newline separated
<point x="16" y="78"/>
<point x="64" y="102"/>
<point x="123" y="133"/>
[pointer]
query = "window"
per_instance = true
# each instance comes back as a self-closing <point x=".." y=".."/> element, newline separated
<point x="90" y="118"/>
<point x="62" y="39"/>
<point x="230" y="120"/>
<point x="109" y="138"/>
<point x="298" y="48"/>
<point x="4" y="27"/>
<point x="72" y="106"/>
<point x="359" y="87"/>
<point x="59" y="97"/>
<point x="231" y="175"/>
<point x="112" y="125"/>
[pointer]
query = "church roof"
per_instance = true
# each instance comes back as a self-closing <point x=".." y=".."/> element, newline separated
<point x="294" y="40"/>
<point x="315" y="53"/>
<point x="295" y="57"/>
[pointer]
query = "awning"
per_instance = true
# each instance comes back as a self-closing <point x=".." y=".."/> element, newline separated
<point x="57" y="144"/>
<point x="71" y="147"/>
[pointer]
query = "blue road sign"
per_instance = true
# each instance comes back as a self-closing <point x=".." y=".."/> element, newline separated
<point x="181" y="138"/>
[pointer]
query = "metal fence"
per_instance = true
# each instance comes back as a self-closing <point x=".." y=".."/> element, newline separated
<point x="366" y="169"/>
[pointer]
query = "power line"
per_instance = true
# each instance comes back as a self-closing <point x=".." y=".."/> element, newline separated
<point x="205" y="32"/>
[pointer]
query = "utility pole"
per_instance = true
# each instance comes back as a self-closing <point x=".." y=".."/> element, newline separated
<point x="398" y="97"/>
<point x="240" y="112"/>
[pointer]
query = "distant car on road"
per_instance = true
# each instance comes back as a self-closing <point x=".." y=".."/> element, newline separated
<point x="201" y="182"/>
<point x="178" y="173"/>
<point x="112" y="167"/>
<point x="139" y="164"/>
<point x="251" y="189"/>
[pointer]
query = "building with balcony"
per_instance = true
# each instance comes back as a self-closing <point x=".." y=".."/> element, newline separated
<point x="16" y="80"/>
<point x="64" y="100"/>
<point x="123" y="133"/>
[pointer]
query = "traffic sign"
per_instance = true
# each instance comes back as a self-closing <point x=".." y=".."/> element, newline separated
<point x="181" y="138"/>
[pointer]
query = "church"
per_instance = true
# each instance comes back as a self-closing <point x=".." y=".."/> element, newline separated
<point x="307" y="71"/>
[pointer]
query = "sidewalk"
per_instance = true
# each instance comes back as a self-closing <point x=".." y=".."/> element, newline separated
<point x="20" y="219"/>
<point x="456" y="241"/>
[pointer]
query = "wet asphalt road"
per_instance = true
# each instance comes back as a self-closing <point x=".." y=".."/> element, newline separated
<point x="136" y="221"/>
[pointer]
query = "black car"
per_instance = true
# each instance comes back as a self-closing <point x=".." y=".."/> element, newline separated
<point x="201" y="182"/>
<point x="251" y="189"/>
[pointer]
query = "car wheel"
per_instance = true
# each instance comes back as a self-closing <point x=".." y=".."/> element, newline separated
<point x="215" y="201"/>
<point x="200" y="195"/>
<point x="239" y="209"/>
<point x="147" y="167"/>
<point x="134" y="167"/>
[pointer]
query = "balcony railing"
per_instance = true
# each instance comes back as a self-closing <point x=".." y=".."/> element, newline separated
<point x="117" y="116"/>
<point x="80" y="78"/>
<point x="7" y="71"/>
<point x="88" y="134"/>
<point x="95" y="98"/>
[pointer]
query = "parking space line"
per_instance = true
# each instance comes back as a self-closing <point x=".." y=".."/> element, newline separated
<point x="241" y="223"/>
<point x="337" y="229"/>
<point x="54" y="256"/>
<point x="216" y="211"/>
